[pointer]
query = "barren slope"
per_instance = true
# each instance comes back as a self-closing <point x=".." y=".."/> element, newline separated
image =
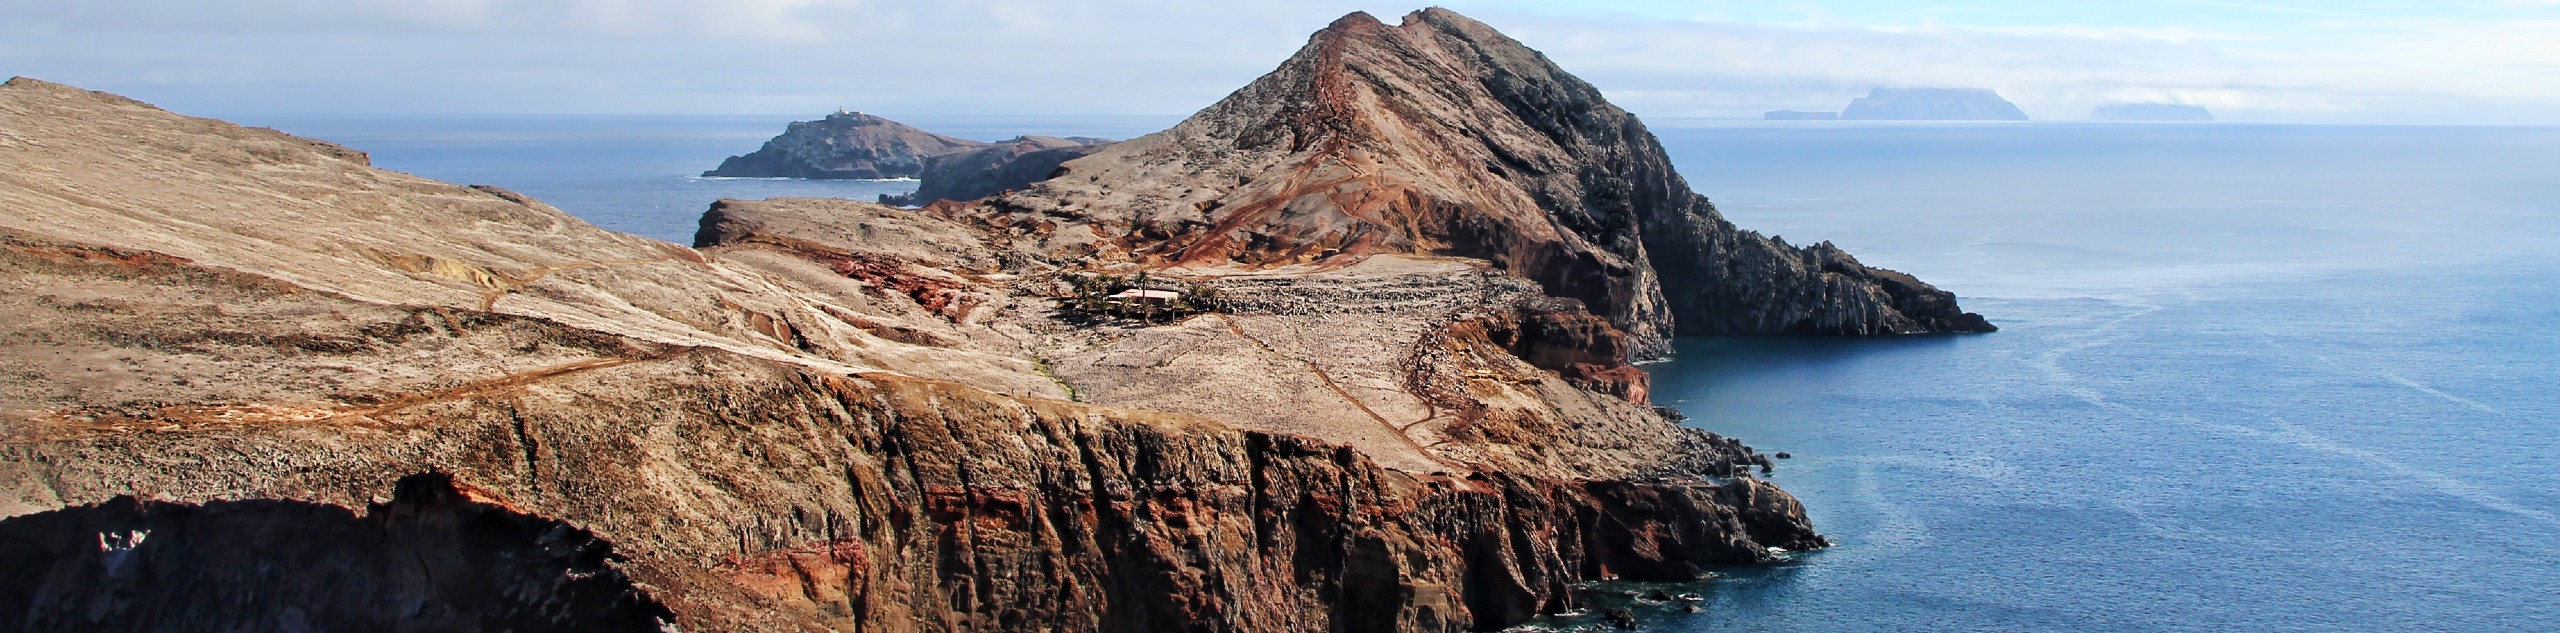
<point x="1441" y="136"/>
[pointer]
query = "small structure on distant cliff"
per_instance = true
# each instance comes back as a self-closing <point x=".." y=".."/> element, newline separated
<point x="1798" y="115"/>
<point x="1932" y="104"/>
<point x="2151" y="112"/>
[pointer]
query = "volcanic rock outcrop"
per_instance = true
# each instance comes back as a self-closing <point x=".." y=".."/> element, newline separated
<point x="1005" y="167"/>
<point x="831" y="416"/>
<point x="1442" y="137"/>
<point x="844" y="145"/>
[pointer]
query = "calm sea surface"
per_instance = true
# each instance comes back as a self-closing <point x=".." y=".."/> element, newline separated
<point x="2250" y="378"/>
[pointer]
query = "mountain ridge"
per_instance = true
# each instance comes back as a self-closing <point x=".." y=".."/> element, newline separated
<point x="1441" y="136"/>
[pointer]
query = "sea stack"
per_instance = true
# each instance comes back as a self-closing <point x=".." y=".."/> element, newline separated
<point x="1932" y="104"/>
<point x="845" y="145"/>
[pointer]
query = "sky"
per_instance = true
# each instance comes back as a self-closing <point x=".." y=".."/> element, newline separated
<point x="2337" y="61"/>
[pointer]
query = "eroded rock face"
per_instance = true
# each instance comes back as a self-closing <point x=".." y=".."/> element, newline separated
<point x="844" y="145"/>
<point x="434" y="558"/>
<point x="1007" y="166"/>
<point x="1441" y="136"/>
<point x="810" y="502"/>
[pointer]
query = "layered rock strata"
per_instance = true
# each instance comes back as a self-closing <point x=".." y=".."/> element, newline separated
<point x="1443" y="137"/>
<point x="833" y="416"/>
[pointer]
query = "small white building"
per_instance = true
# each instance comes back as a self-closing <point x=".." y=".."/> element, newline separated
<point x="1143" y="295"/>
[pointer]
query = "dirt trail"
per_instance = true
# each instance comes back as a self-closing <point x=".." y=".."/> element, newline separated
<point x="1329" y="383"/>
<point x="478" y="388"/>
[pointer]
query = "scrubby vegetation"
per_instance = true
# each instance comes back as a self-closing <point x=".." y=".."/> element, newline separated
<point x="1142" y="297"/>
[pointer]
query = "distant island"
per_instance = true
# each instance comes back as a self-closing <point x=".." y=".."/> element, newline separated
<point x="1797" y="115"/>
<point x="1932" y="104"/>
<point x="853" y="145"/>
<point x="845" y="145"/>
<point x="2151" y="112"/>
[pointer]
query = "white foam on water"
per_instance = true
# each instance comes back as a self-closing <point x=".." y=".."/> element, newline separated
<point x="2289" y="434"/>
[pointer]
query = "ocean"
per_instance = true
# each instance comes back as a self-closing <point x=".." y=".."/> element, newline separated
<point x="2249" y="378"/>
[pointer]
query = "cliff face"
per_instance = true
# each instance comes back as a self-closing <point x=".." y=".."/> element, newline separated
<point x="1932" y="104"/>
<point x="834" y="416"/>
<point x="1005" y="167"/>
<point x="435" y="557"/>
<point x="1443" y="137"/>
<point x="844" y="145"/>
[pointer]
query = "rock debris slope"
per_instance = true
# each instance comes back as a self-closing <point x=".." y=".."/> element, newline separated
<point x="831" y="416"/>
<point x="1441" y="136"/>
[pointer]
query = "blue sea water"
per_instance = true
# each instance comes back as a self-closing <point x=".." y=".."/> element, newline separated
<point x="2250" y="378"/>
<point x="635" y="174"/>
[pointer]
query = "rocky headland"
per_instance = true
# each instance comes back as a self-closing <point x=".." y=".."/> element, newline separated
<point x="844" y="145"/>
<point x="1442" y="137"/>
<point x="1932" y="104"/>
<point x="1350" y="351"/>
<point x="1007" y="166"/>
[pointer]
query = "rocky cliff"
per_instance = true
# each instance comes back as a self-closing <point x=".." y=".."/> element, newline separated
<point x="1442" y="137"/>
<point x="844" y="145"/>
<point x="235" y="352"/>
<point x="1005" y="167"/>
<point x="1932" y="104"/>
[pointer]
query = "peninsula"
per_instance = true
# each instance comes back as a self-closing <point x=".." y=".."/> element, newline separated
<point x="1350" y="350"/>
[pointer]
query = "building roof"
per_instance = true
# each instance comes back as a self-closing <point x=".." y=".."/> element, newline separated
<point x="1154" y="295"/>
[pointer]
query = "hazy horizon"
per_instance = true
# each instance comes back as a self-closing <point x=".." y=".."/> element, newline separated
<point x="2482" y="62"/>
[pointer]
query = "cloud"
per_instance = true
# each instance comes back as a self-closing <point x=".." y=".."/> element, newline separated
<point x="1170" y="57"/>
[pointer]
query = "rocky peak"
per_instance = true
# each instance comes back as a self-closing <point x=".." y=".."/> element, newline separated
<point x="1442" y="136"/>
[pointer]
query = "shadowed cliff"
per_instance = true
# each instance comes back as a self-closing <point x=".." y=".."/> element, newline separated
<point x="431" y="559"/>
